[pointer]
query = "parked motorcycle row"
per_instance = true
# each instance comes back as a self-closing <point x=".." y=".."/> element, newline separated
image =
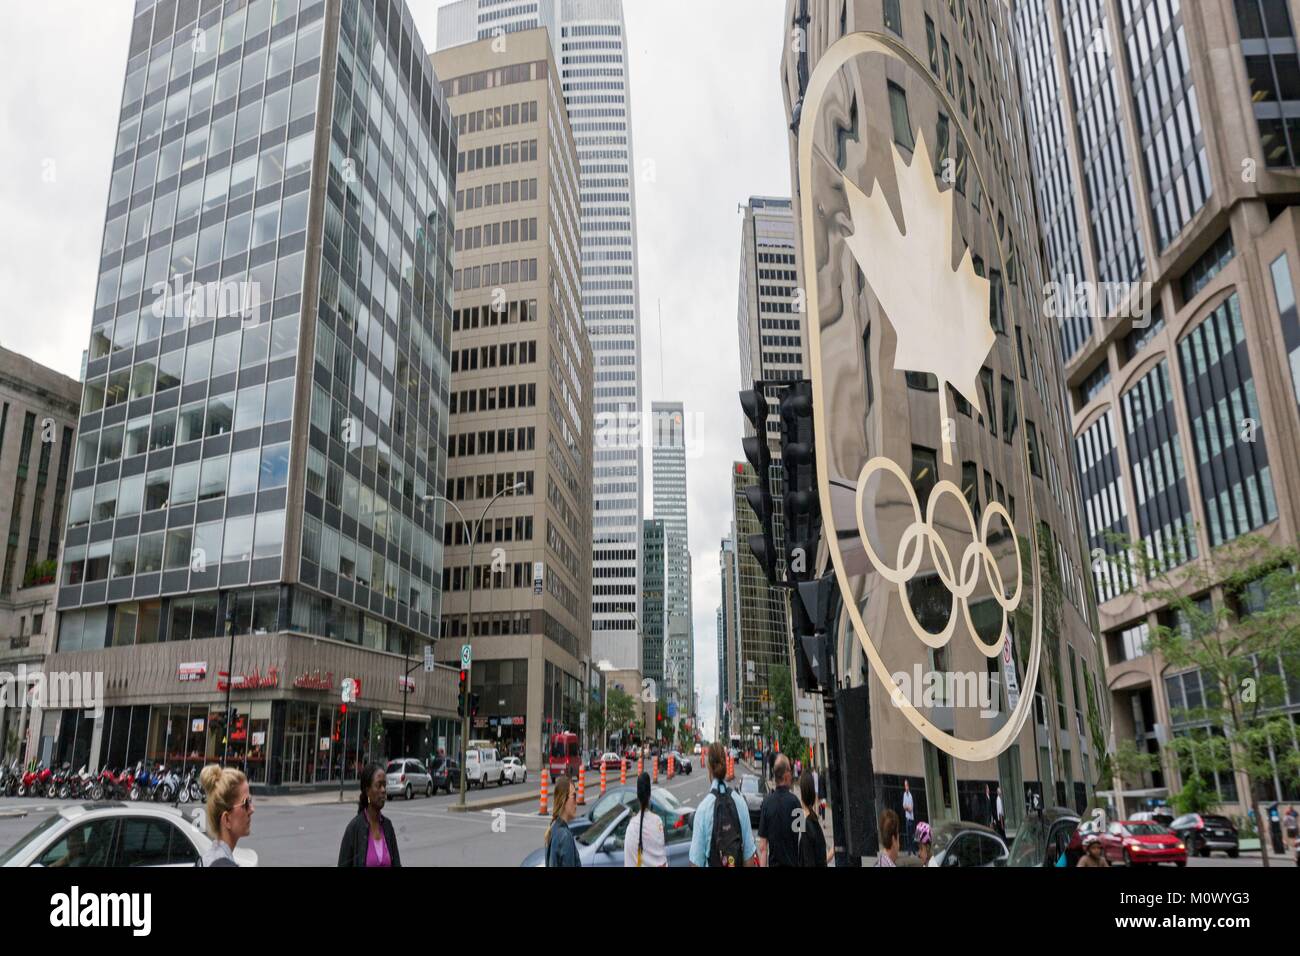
<point x="161" y="784"/>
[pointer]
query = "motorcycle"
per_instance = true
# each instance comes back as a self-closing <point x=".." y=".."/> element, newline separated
<point x="168" y="786"/>
<point x="60" y="785"/>
<point x="142" y="783"/>
<point x="35" y="781"/>
<point x="77" y="785"/>
<point x="190" y="791"/>
<point x="10" y="776"/>
<point x="110" y="785"/>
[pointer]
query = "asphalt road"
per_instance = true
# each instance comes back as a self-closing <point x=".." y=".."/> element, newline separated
<point x="429" y="833"/>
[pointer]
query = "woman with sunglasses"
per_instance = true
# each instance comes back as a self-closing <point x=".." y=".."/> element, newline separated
<point x="230" y="812"/>
<point x="561" y="848"/>
<point x="370" y="839"/>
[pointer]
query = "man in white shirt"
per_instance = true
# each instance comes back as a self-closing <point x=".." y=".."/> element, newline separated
<point x="909" y="816"/>
<point x="645" y="831"/>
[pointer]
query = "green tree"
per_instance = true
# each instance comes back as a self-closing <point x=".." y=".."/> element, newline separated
<point x="1237" y="646"/>
<point x="620" y="710"/>
<point x="786" y="730"/>
<point x="1195" y="797"/>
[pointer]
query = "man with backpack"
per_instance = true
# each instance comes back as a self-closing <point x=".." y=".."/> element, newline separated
<point x="721" y="834"/>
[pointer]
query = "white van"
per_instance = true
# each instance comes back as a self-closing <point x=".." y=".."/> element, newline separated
<point x="483" y="766"/>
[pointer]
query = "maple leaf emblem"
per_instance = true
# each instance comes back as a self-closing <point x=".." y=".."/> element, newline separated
<point x="940" y="316"/>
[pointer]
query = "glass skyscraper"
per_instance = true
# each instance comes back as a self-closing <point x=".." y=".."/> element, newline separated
<point x="266" y="391"/>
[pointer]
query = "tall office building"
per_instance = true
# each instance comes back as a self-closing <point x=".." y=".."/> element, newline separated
<point x="1183" y="128"/>
<point x="653" y="617"/>
<point x="590" y="42"/>
<point x="774" y="350"/>
<point x="465" y="21"/>
<point x="668" y="463"/>
<point x="956" y="94"/>
<point x="265" y="405"/>
<point x="728" y="655"/>
<point x="38" y="418"/>
<point x="521" y="368"/>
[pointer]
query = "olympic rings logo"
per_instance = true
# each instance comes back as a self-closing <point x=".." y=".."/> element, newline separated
<point x="961" y="585"/>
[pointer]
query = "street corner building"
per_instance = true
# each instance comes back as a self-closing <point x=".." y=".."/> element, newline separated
<point x="266" y="392"/>
<point x="966" y="653"/>
<point x="522" y="402"/>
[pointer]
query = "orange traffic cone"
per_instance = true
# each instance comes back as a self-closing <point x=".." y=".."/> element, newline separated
<point x="654" y="769"/>
<point x="670" y="766"/>
<point x="622" y="772"/>
<point x="546" y="782"/>
<point x="640" y="766"/>
<point x="582" y="786"/>
<point x="602" y="778"/>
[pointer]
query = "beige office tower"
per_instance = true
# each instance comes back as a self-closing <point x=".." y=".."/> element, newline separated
<point x="521" y="397"/>
<point x="944" y="465"/>
<point x="1172" y="167"/>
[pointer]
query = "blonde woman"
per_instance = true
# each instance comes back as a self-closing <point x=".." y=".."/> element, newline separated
<point x="561" y="848"/>
<point x="230" y="813"/>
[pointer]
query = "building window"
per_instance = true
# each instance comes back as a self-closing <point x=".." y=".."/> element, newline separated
<point x="1273" y="70"/>
<point x="893" y="17"/>
<point x="1284" y="293"/>
<point x="1209" y="265"/>
<point x="902" y="121"/>
<point x="932" y="45"/>
<point x="1156" y="458"/>
<point x="1231" y="453"/>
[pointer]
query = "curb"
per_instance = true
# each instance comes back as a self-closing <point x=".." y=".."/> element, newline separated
<point x="494" y="802"/>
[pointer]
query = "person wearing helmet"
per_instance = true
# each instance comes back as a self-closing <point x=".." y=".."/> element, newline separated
<point x="924" y="840"/>
<point x="1092" y="852"/>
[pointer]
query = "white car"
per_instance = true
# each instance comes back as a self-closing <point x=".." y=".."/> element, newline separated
<point x="514" y="770"/>
<point x="407" y="777"/>
<point x="116" y="835"/>
<point x="483" y="766"/>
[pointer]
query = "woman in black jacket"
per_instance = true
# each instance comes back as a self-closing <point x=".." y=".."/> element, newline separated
<point x="369" y="839"/>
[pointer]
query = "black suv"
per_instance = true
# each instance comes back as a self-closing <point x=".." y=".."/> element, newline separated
<point x="1204" y="833"/>
<point x="444" y="774"/>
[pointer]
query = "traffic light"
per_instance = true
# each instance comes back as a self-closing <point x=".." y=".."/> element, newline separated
<point x="473" y="705"/>
<point x="460" y="698"/>
<point x="759" y="496"/>
<point x="802" y="512"/>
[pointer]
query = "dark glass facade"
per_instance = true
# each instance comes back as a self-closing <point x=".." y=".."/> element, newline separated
<point x="1156" y="458"/>
<point x="191" y="450"/>
<point x="1231" y="451"/>
<point x="1104" y="507"/>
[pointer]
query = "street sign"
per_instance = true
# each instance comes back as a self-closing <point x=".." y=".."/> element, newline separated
<point x="672" y="709"/>
<point x="349" y="690"/>
<point x="539" y="576"/>
<point x="428" y="658"/>
<point x="466" y="656"/>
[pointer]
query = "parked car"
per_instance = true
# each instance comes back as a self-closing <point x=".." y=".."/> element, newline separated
<point x="407" y="777"/>
<point x="698" y="750"/>
<point x="660" y="799"/>
<point x="483" y="766"/>
<point x="1142" y="841"/>
<point x="1161" y="815"/>
<point x="1203" y="833"/>
<point x="445" y="774"/>
<point x="116" y="835"/>
<point x="753" y="788"/>
<point x="514" y="770"/>
<point x="965" y="844"/>
<point x="1044" y="836"/>
<point x="601" y="843"/>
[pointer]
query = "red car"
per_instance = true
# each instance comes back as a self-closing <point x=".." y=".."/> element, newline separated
<point x="1142" y="841"/>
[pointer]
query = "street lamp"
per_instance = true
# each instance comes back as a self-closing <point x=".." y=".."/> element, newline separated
<point x="469" y="612"/>
<point x="230" y="674"/>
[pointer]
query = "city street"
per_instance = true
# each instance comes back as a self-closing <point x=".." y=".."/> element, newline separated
<point x="429" y="832"/>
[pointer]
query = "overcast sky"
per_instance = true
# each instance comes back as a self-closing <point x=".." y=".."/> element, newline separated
<point x="708" y="131"/>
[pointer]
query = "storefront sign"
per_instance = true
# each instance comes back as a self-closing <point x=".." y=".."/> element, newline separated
<point x="324" y="743"/>
<point x="480" y="722"/>
<point x="196" y="725"/>
<point x="539" y="575"/>
<point x="351" y="689"/>
<point x="516" y="721"/>
<point x="405" y="685"/>
<point x="259" y="738"/>
<point x="194" y="670"/>
<point x="254" y="681"/>
<point x="313" y="680"/>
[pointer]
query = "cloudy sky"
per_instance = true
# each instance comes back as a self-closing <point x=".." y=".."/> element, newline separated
<point x="708" y="131"/>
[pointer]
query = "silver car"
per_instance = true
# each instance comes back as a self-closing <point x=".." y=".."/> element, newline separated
<point x="116" y="835"/>
<point x="407" y="777"/>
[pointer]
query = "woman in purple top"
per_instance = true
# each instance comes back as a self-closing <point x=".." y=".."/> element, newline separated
<point x="369" y="839"/>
